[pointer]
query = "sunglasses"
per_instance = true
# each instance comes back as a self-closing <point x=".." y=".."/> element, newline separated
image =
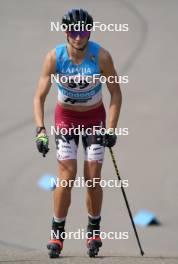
<point x="82" y="34"/>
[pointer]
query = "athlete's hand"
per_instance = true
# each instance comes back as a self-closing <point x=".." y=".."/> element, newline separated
<point x="42" y="142"/>
<point x="110" y="140"/>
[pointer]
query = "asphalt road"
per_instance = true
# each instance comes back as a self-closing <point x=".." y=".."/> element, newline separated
<point x="147" y="157"/>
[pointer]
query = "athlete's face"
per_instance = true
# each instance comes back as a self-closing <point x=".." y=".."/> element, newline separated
<point x="78" y="39"/>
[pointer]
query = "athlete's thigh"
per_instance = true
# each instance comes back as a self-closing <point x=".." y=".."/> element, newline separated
<point x="94" y="151"/>
<point x="94" y="148"/>
<point x="66" y="147"/>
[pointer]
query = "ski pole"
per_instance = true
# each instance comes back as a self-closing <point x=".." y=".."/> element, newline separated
<point x="125" y="198"/>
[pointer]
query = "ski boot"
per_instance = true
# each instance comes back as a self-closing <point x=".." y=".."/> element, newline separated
<point x="55" y="245"/>
<point x="94" y="240"/>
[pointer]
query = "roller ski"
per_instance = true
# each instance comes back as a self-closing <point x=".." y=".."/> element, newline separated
<point x="93" y="245"/>
<point x="94" y="240"/>
<point x="55" y="244"/>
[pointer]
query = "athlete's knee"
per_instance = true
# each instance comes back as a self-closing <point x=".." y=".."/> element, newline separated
<point x="93" y="185"/>
<point x="67" y="173"/>
<point x="66" y="184"/>
<point x="92" y="178"/>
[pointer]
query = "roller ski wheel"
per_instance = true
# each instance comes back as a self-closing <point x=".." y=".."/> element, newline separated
<point x="93" y="245"/>
<point x="55" y="247"/>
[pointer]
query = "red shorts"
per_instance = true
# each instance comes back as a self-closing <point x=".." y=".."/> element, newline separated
<point x="68" y="118"/>
<point x="67" y="145"/>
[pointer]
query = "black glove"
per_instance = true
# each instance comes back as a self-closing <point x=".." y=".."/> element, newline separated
<point x="110" y="140"/>
<point x="42" y="143"/>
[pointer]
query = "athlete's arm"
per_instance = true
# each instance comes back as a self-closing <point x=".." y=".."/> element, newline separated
<point x="43" y="87"/>
<point x="107" y="69"/>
